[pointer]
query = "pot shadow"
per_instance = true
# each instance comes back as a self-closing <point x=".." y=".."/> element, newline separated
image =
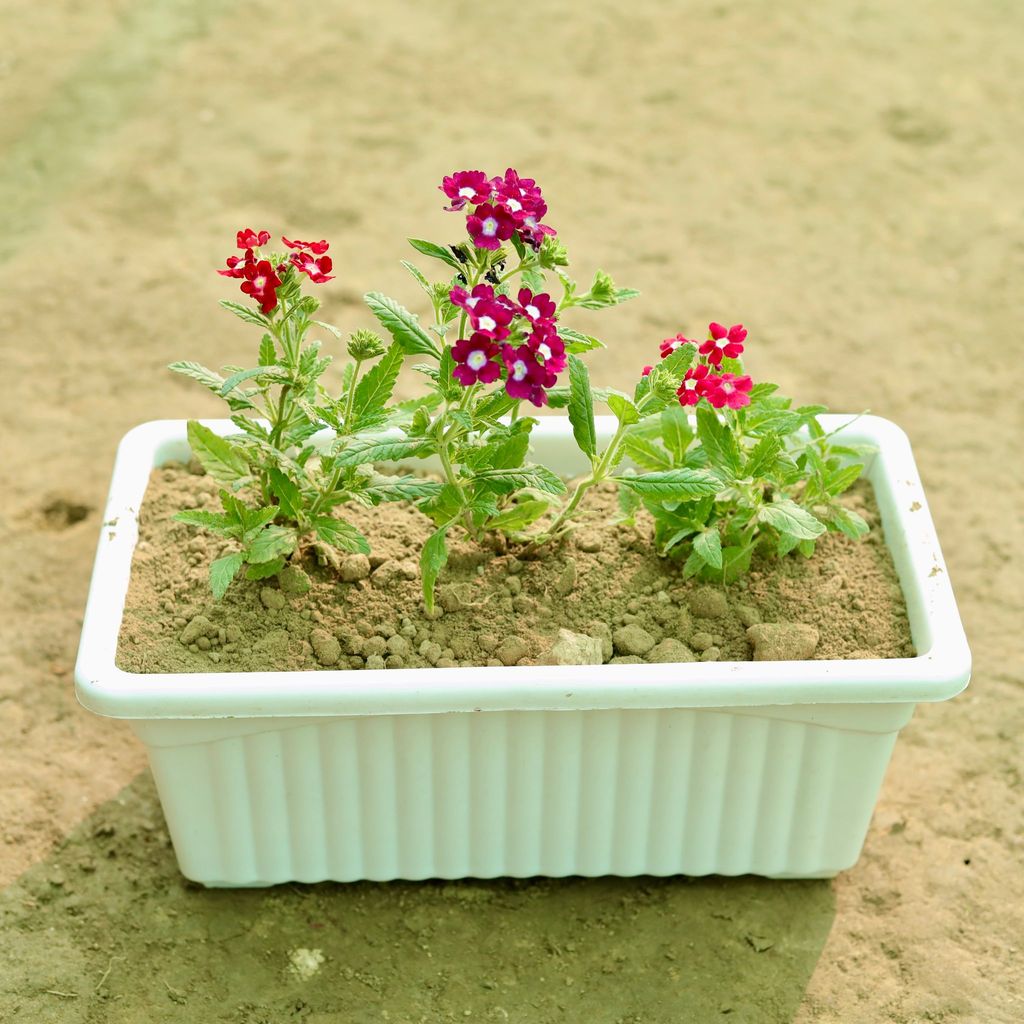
<point x="107" y="929"/>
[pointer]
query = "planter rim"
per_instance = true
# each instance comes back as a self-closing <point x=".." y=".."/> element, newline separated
<point x="938" y="672"/>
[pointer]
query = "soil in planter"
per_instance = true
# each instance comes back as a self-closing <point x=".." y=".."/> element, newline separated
<point x="494" y="608"/>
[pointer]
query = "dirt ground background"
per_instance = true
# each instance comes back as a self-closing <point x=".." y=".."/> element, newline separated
<point x="843" y="177"/>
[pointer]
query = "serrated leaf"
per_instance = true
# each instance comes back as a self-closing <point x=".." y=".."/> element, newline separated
<point x="676" y="432"/>
<point x="269" y="543"/>
<point x="533" y="278"/>
<point x="788" y="517"/>
<point x="848" y="522"/>
<point x="250" y="316"/>
<point x="763" y="456"/>
<point x="402" y="488"/>
<point x="242" y="376"/>
<point x="209" y="379"/>
<point x="519" y="516"/>
<point x="216" y="521"/>
<point x="672" y="484"/>
<point x="418" y="276"/>
<point x="221" y="459"/>
<point x="693" y="564"/>
<point x="716" y="439"/>
<point x="437" y="252"/>
<point x="330" y="328"/>
<point x="359" y="451"/>
<point x="646" y="454"/>
<point x="581" y="407"/>
<point x="540" y="478"/>
<point x="622" y="407"/>
<point x="709" y="546"/>
<point x="264" y="570"/>
<point x="268" y="353"/>
<point x="678" y="362"/>
<point x="287" y="493"/>
<point x="735" y="561"/>
<point x="223" y="571"/>
<point x="340" y="534"/>
<point x="629" y="503"/>
<point x="402" y="325"/>
<point x="575" y="342"/>
<point x="374" y="390"/>
<point x="432" y="561"/>
<point x="841" y="479"/>
<point x="761" y="391"/>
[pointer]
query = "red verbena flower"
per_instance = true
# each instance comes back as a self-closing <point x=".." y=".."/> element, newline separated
<point x="316" y="248"/>
<point x="728" y="390"/>
<point x="646" y="371"/>
<point x="536" y="308"/>
<point x="491" y="317"/>
<point x="531" y="230"/>
<point x="466" y="187"/>
<point x="249" y="239"/>
<point x="261" y="282"/>
<point x="669" y="345"/>
<point x="723" y="341"/>
<point x="489" y="226"/>
<point x="475" y="359"/>
<point x="549" y="346"/>
<point x="236" y="265"/>
<point x="317" y="269"/>
<point x="526" y="378"/>
<point x="694" y="387"/>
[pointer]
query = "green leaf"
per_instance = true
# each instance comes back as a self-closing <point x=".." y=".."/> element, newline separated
<point x="217" y="521"/>
<point x="763" y="456"/>
<point x="420" y="278"/>
<point x="268" y="353"/>
<point x="646" y="454"/>
<point x="709" y="546"/>
<point x="693" y="565"/>
<point x="736" y="561"/>
<point x="672" y="484"/>
<point x="264" y="570"/>
<point x="788" y="517"/>
<point x="842" y="478"/>
<point x="432" y="561"/>
<point x="518" y="516"/>
<point x="269" y="543"/>
<point x="625" y="411"/>
<point x="358" y="451"/>
<point x="678" y="362"/>
<point x="438" y="252"/>
<point x="533" y="278"/>
<point x="848" y="522"/>
<point x="676" y="431"/>
<point x="287" y="493"/>
<point x="575" y="342"/>
<point x="209" y="379"/>
<point x="330" y="328"/>
<point x="221" y="459"/>
<point x="374" y="390"/>
<point x="250" y="316"/>
<point x="340" y="534"/>
<point x="223" y="571"/>
<point x="540" y="478"/>
<point x="242" y="376"/>
<point x="761" y="391"/>
<point x="402" y="325"/>
<point x="716" y="439"/>
<point x="629" y="503"/>
<point x="581" y="407"/>
<point x="402" y="488"/>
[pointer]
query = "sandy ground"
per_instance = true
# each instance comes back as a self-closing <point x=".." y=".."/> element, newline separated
<point x="844" y="178"/>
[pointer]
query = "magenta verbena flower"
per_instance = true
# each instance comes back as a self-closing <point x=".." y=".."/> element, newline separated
<point x="723" y="341"/>
<point x="728" y="390"/>
<point x="518" y="195"/>
<point x="468" y="300"/>
<point x="695" y="385"/>
<point x="536" y="308"/>
<point x="491" y="317"/>
<point x="489" y="226"/>
<point x="546" y="343"/>
<point x="475" y="360"/>
<point x="464" y="187"/>
<point x="670" y="345"/>
<point x="526" y="377"/>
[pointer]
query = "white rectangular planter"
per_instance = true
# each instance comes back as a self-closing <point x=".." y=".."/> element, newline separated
<point x="771" y="768"/>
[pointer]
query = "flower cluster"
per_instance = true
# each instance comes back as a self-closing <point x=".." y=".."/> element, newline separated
<point x="530" y="367"/>
<point x="722" y="390"/>
<point x="262" y="276"/>
<point x="498" y="207"/>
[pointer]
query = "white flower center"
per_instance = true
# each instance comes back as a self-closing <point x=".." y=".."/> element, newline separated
<point x="545" y="350"/>
<point x="259" y="282"/>
<point x="727" y="388"/>
<point x="471" y="302"/>
<point x="533" y="312"/>
<point x="690" y="385"/>
<point x="518" y="370"/>
<point x="721" y="342"/>
<point x="476" y="359"/>
<point x="466" y="192"/>
<point x="486" y="323"/>
<point x="490" y="227"/>
<point x="514" y="205"/>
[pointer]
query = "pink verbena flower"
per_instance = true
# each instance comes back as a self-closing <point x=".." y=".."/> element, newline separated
<point x="475" y="359"/>
<point x="464" y="187"/>
<point x="531" y="230"/>
<point x="249" y="239"/>
<point x="468" y="300"/>
<point x="527" y="378"/>
<point x="723" y="342"/>
<point x="489" y="226"/>
<point x="261" y="282"/>
<point x="316" y="248"/>
<point x="546" y="343"/>
<point x="670" y="345"/>
<point x="537" y="309"/>
<point x="316" y="268"/>
<point x="728" y="390"/>
<point x="518" y="195"/>
<point x="694" y="387"/>
<point x="491" y="317"/>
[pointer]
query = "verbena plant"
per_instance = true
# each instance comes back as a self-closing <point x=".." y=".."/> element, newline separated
<point x="747" y="470"/>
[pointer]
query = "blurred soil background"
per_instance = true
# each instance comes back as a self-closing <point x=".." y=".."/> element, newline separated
<point x="845" y="178"/>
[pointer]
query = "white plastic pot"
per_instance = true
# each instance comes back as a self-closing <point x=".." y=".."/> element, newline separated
<point x="770" y="768"/>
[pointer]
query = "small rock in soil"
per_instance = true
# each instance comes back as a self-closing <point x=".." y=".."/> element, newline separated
<point x="272" y="598"/>
<point x="325" y="647"/>
<point x="294" y="581"/>
<point x="782" y="641"/>
<point x="354" y="568"/>
<point x="626" y="659"/>
<point x="566" y="582"/>
<point x="670" y="651"/>
<point x="588" y="540"/>
<point x="199" y="626"/>
<point x="602" y="631"/>
<point x="747" y="615"/>
<point x="398" y="645"/>
<point x="701" y="641"/>
<point x="511" y="650"/>
<point x="575" y="649"/>
<point x="708" y="603"/>
<point x="374" y="661"/>
<point x="632" y="639"/>
<point x="711" y="654"/>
